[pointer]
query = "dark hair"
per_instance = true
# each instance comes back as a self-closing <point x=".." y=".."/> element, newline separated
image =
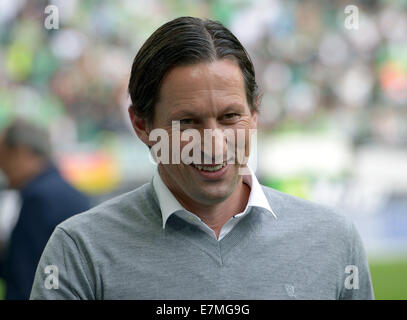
<point x="24" y="133"/>
<point x="184" y="41"/>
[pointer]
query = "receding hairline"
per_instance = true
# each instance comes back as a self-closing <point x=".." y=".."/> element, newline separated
<point x="217" y="42"/>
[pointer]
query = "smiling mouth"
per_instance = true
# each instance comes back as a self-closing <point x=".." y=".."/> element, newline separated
<point x="209" y="168"/>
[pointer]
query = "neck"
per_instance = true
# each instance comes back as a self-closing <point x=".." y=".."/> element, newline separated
<point x="216" y="215"/>
<point x="32" y="170"/>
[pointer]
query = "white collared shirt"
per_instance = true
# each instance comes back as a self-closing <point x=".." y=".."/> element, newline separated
<point x="170" y="205"/>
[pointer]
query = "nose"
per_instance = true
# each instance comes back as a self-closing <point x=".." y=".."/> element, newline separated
<point x="214" y="146"/>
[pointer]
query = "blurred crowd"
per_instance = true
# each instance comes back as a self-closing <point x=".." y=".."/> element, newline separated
<point x="312" y="67"/>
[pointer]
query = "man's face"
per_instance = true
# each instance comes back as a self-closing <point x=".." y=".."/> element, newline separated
<point x="203" y="96"/>
<point x="11" y="162"/>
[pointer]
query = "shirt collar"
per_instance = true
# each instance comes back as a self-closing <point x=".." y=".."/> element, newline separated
<point x="170" y="205"/>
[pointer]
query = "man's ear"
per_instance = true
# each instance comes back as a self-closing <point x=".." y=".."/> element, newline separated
<point x="140" y="127"/>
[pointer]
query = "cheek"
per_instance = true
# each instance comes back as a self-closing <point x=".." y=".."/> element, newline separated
<point x="242" y="144"/>
<point x="175" y="147"/>
<point x="8" y="163"/>
<point x="246" y="123"/>
<point x="250" y="128"/>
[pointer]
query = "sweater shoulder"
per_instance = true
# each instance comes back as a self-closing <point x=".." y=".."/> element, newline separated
<point x="292" y="210"/>
<point x="135" y="206"/>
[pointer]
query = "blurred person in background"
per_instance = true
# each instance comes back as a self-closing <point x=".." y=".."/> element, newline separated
<point x="46" y="198"/>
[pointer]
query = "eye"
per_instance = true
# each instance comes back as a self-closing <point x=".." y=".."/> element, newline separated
<point x="186" y="121"/>
<point x="231" y="116"/>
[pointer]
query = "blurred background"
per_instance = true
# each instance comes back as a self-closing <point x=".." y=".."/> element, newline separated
<point x="333" y="117"/>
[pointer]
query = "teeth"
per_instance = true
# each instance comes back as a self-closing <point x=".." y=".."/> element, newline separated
<point x="210" y="168"/>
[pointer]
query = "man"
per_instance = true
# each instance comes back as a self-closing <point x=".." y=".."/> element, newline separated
<point x="201" y="230"/>
<point x="46" y="198"/>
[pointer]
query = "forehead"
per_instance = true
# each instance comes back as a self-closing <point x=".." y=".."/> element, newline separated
<point x="2" y="139"/>
<point x="203" y="83"/>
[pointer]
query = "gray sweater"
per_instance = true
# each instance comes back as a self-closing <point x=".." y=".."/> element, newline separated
<point x="119" y="250"/>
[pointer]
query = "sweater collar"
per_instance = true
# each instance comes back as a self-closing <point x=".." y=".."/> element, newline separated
<point x="170" y="205"/>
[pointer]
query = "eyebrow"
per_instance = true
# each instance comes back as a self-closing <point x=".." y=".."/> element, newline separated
<point x="195" y="114"/>
<point x="184" y="113"/>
